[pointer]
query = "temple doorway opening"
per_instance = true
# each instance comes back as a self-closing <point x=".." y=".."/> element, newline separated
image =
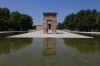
<point x="49" y="26"/>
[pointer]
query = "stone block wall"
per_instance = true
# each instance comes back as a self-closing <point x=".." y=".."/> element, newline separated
<point x="39" y="27"/>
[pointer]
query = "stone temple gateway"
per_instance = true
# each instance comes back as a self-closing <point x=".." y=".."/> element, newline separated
<point x="50" y="22"/>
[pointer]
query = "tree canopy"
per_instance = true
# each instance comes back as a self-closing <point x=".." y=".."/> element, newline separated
<point x="60" y="25"/>
<point x="84" y="20"/>
<point x="14" y="20"/>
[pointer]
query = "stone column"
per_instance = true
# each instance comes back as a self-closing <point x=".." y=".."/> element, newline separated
<point x="45" y="29"/>
<point x="54" y="27"/>
<point x="51" y="26"/>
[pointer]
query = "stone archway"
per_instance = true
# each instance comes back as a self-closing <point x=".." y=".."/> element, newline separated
<point x="50" y="22"/>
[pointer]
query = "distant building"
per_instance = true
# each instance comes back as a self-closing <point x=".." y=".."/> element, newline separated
<point x="39" y="27"/>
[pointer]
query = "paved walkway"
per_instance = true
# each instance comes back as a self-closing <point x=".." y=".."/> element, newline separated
<point x="39" y="34"/>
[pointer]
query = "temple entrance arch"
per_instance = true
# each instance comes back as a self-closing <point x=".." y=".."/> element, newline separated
<point x="50" y="22"/>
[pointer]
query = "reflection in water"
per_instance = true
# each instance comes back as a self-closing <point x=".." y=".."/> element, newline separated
<point x="49" y="46"/>
<point x="6" y="44"/>
<point x="87" y="46"/>
<point x="49" y="52"/>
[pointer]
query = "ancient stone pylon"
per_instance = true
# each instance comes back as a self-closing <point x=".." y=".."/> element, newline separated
<point x="50" y="22"/>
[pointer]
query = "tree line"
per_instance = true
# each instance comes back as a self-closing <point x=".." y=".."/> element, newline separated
<point x="14" y="20"/>
<point x="83" y="20"/>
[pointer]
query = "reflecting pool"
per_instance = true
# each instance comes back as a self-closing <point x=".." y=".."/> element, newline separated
<point x="49" y="51"/>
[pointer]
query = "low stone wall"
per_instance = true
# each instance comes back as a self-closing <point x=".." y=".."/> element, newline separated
<point x="39" y="27"/>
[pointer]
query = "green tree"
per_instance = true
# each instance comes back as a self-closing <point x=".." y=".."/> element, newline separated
<point x="14" y="22"/>
<point x="60" y="26"/>
<point x="34" y="27"/>
<point x="87" y="20"/>
<point x="83" y="20"/>
<point x="98" y="21"/>
<point x="26" y="21"/>
<point x="4" y="17"/>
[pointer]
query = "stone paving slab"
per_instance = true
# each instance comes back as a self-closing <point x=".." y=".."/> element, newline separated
<point x="39" y="34"/>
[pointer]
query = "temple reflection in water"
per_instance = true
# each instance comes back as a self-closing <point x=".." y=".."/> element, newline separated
<point x="49" y="46"/>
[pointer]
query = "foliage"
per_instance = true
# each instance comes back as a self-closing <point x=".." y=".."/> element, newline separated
<point x="14" y="20"/>
<point x="4" y="17"/>
<point x="25" y="21"/>
<point x="60" y="26"/>
<point x="84" y="20"/>
<point x="34" y="27"/>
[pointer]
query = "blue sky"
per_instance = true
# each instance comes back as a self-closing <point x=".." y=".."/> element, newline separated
<point x="35" y="7"/>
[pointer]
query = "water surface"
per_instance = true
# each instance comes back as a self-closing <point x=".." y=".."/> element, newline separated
<point x="49" y="51"/>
